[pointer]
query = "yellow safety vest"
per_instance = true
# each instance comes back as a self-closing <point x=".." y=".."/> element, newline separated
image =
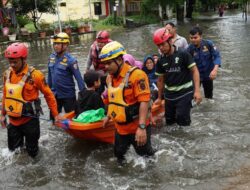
<point x="14" y="102"/>
<point x="117" y="108"/>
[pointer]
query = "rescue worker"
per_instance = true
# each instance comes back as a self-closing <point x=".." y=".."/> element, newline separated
<point x="207" y="58"/>
<point x="62" y="67"/>
<point x="102" y="38"/>
<point x="179" y="75"/>
<point x="128" y="99"/>
<point x="21" y="102"/>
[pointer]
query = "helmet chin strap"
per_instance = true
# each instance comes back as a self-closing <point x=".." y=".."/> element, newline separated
<point x="21" y="68"/>
<point x="118" y="69"/>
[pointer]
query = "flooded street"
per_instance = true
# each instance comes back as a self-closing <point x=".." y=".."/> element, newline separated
<point x="213" y="153"/>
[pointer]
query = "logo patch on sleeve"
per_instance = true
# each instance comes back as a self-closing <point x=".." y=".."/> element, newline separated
<point x="142" y="84"/>
<point x="65" y="60"/>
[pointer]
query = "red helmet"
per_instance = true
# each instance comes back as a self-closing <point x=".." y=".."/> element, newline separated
<point x="161" y="35"/>
<point x="102" y="36"/>
<point x="16" y="50"/>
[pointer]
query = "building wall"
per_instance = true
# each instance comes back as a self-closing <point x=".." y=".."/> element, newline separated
<point x="133" y="6"/>
<point x="76" y="9"/>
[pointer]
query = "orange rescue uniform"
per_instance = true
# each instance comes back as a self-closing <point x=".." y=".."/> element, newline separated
<point x="30" y="92"/>
<point x="138" y="91"/>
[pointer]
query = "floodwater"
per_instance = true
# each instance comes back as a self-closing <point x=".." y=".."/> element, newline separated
<point x="213" y="153"/>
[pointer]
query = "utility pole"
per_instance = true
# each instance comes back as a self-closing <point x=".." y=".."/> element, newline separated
<point x="115" y="10"/>
<point x="247" y="5"/>
<point x="35" y="14"/>
<point x="90" y="17"/>
<point x="124" y="12"/>
<point x="58" y="15"/>
<point x="90" y="13"/>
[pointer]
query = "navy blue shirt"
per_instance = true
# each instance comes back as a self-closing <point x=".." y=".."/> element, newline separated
<point x="176" y="69"/>
<point x="205" y="57"/>
<point x="60" y="75"/>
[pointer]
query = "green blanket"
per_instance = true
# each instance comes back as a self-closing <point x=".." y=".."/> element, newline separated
<point x="90" y="116"/>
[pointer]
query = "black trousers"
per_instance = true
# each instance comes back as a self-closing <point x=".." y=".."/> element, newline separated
<point x="178" y="111"/>
<point x="69" y="104"/>
<point x="208" y="88"/>
<point x="123" y="142"/>
<point x="30" y="132"/>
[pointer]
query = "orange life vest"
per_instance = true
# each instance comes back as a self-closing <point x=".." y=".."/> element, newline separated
<point x="96" y="62"/>
<point x="14" y="102"/>
<point x="118" y="109"/>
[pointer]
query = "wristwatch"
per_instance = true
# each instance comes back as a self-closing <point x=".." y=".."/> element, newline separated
<point x="142" y="126"/>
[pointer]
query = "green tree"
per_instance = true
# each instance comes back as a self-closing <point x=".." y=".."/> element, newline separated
<point x="149" y="5"/>
<point x="34" y="7"/>
<point x="190" y="8"/>
<point x="208" y="4"/>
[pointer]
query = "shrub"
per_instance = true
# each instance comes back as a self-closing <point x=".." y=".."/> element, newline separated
<point x="23" y="20"/>
<point x="111" y="21"/>
<point x="30" y="27"/>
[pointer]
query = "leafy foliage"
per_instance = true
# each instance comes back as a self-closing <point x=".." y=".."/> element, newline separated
<point x="110" y="20"/>
<point x="26" y="6"/>
<point x="148" y="6"/>
<point x="23" y="7"/>
<point x="23" y="20"/>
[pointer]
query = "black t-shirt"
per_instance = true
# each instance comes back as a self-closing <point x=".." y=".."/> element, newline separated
<point x="88" y="100"/>
<point x="176" y="69"/>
